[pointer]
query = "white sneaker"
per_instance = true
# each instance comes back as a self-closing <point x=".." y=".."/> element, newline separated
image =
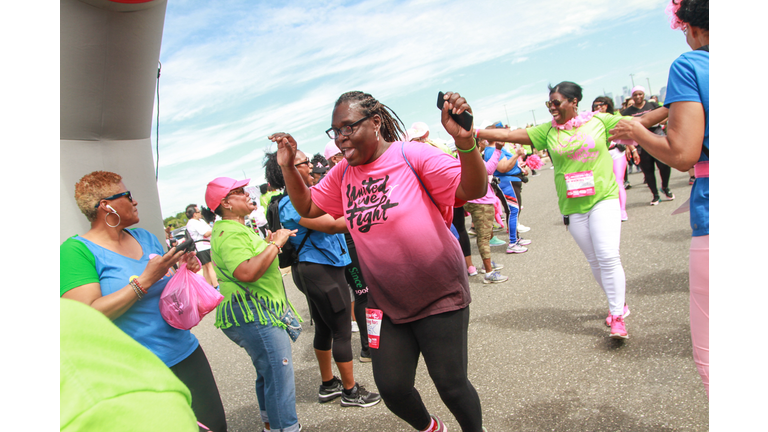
<point x="516" y="248"/>
<point x="522" y="228"/>
<point x="355" y="328"/>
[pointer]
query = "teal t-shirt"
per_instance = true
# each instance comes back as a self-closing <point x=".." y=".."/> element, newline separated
<point x="109" y="382"/>
<point x="576" y="154"/>
<point x="320" y="248"/>
<point x="232" y="243"/>
<point x="83" y="262"/>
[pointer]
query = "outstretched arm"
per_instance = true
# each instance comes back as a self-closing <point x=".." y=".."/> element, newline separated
<point x="301" y="196"/>
<point x="519" y="136"/>
<point x="681" y="147"/>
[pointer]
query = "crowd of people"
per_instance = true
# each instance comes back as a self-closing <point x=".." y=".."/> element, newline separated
<point x="382" y="197"/>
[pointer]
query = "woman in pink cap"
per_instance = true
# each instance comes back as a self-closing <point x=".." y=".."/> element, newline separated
<point x="254" y="298"/>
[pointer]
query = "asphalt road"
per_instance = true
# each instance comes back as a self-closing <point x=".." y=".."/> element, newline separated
<point x="539" y="352"/>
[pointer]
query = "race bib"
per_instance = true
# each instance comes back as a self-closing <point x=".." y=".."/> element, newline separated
<point x="580" y="184"/>
<point x="373" y="321"/>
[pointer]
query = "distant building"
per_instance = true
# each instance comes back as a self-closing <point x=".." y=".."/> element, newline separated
<point x="625" y="92"/>
<point x="618" y="101"/>
<point x="662" y="94"/>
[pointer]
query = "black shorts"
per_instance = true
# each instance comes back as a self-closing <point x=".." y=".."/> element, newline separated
<point x="204" y="256"/>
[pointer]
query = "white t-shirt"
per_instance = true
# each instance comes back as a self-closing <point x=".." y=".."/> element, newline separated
<point x="196" y="229"/>
<point x="259" y="217"/>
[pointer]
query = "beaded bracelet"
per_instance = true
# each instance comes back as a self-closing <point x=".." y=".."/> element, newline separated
<point x="474" y="146"/>
<point x="279" y="249"/>
<point x="136" y="290"/>
<point x="135" y="280"/>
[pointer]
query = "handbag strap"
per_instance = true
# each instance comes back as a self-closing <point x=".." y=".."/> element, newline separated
<point x="251" y="296"/>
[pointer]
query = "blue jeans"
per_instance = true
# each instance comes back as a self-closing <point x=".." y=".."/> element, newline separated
<point x="270" y="351"/>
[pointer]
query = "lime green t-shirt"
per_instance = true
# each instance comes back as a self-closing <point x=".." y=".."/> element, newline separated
<point x="232" y="243"/>
<point x="109" y="382"/>
<point x="267" y="197"/>
<point x="581" y="150"/>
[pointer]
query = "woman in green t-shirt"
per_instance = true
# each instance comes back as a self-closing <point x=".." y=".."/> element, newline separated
<point x="254" y="298"/>
<point x="586" y="188"/>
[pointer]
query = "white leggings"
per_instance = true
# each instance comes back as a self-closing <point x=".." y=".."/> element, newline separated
<point x="598" y="233"/>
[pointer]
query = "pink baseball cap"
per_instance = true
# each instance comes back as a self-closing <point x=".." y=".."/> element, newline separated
<point x="219" y="188"/>
<point x="331" y="150"/>
<point x="638" y="88"/>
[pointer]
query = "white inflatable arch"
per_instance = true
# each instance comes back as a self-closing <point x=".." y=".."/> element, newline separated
<point x="109" y="61"/>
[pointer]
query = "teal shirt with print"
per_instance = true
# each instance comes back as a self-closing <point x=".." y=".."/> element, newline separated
<point x="579" y="150"/>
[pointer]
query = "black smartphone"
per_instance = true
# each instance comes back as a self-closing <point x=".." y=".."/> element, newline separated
<point x="187" y="245"/>
<point x="464" y="119"/>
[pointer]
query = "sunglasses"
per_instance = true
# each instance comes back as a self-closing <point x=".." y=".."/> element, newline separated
<point x="116" y="196"/>
<point x="238" y="191"/>
<point x="555" y="102"/>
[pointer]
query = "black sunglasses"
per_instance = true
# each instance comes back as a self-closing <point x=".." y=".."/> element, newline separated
<point x="347" y="130"/>
<point x="116" y="196"/>
<point x="555" y="102"/>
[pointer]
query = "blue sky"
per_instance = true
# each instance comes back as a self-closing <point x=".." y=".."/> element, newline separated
<point x="233" y="72"/>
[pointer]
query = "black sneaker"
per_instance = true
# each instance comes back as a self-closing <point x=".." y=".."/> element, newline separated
<point x="627" y="185"/>
<point x="365" y="355"/>
<point x="668" y="193"/>
<point x="656" y="200"/>
<point x="359" y="397"/>
<point x="331" y="392"/>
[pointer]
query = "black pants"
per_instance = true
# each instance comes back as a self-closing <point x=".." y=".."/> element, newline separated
<point x="329" y="304"/>
<point x="646" y="164"/>
<point x="354" y="275"/>
<point x="460" y="224"/>
<point x="442" y="340"/>
<point x="195" y="372"/>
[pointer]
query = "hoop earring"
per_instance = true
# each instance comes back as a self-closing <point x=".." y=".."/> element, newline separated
<point x="118" y="220"/>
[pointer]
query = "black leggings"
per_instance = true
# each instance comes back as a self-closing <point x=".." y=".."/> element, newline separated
<point x="329" y="306"/>
<point x="646" y="164"/>
<point x="354" y="275"/>
<point x="442" y="340"/>
<point x="195" y="372"/>
<point x="461" y="227"/>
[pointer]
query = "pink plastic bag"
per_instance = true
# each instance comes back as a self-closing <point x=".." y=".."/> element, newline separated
<point x="187" y="298"/>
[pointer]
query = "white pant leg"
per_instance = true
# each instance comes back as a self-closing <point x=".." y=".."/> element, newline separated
<point x="598" y="234"/>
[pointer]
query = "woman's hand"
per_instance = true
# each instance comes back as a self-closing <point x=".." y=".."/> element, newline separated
<point x="158" y="266"/>
<point x="625" y="130"/>
<point x="455" y="104"/>
<point x="280" y="237"/>
<point x="286" y="148"/>
<point x="190" y="259"/>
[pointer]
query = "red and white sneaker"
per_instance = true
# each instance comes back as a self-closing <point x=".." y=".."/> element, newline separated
<point x="626" y="314"/>
<point x="436" y="425"/>
<point x="618" y="330"/>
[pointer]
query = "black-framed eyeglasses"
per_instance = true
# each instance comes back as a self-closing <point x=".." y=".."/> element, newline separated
<point x="347" y="130"/>
<point x="306" y="162"/>
<point x="555" y="102"/>
<point x="114" y="197"/>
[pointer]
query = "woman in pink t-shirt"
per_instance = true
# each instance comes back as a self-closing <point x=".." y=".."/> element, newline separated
<point x="397" y="199"/>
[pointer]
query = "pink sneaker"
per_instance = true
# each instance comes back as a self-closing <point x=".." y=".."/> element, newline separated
<point x="472" y="270"/>
<point x="436" y="426"/>
<point x="618" y="330"/>
<point x="626" y="314"/>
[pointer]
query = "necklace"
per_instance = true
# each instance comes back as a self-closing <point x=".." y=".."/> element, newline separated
<point x="236" y="219"/>
<point x="575" y="122"/>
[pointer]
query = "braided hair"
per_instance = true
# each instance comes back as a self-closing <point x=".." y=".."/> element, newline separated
<point x="391" y="129"/>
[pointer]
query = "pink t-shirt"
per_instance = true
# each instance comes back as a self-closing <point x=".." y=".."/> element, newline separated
<point x="412" y="263"/>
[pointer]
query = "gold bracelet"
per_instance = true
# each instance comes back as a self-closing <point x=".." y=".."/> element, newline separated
<point x="474" y="146"/>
